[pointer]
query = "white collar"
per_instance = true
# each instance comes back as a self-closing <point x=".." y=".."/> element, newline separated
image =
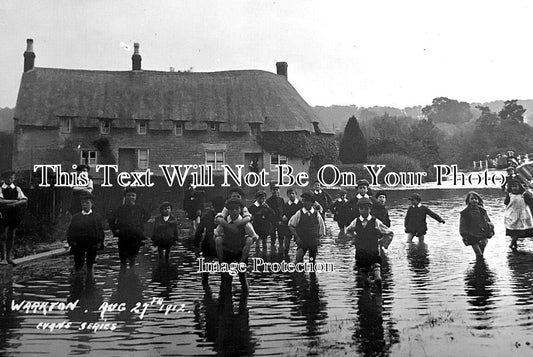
<point x="256" y="204"/>
<point x="311" y="211"/>
<point x="318" y="190"/>
<point x="417" y="205"/>
<point x="361" y="196"/>
<point x="289" y="202"/>
<point x="12" y="186"/>
<point x="87" y="213"/>
<point x="342" y="199"/>
<point x="165" y="218"/>
<point x="368" y="218"/>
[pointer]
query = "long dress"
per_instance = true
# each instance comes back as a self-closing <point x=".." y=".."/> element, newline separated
<point x="518" y="217"/>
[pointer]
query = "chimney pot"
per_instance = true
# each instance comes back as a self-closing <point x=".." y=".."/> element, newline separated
<point x="29" y="56"/>
<point x="281" y="68"/>
<point x="136" y="58"/>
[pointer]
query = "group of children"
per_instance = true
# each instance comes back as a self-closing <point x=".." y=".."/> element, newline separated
<point x="227" y="229"/>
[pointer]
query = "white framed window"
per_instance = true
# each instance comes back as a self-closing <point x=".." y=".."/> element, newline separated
<point x="178" y="129"/>
<point x="215" y="159"/>
<point x="105" y="126"/>
<point x="214" y="126"/>
<point x="88" y="157"/>
<point x="142" y="127"/>
<point x="276" y="159"/>
<point x="66" y="125"/>
<point x="143" y="160"/>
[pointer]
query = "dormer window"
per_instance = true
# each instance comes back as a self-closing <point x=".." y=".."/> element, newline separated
<point x="317" y="129"/>
<point x="214" y="126"/>
<point x="66" y="125"/>
<point x="178" y="129"/>
<point x="105" y="126"/>
<point x="255" y="128"/>
<point x="142" y="127"/>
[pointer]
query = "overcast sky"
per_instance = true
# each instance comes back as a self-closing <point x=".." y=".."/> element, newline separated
<point x="366" y="53"/>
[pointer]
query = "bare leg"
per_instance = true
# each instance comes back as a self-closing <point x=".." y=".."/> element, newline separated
<point x="9" y="245"/>
<point x="300" y="255"/>
<point x="219" y="248"/>
<point x="377" y="274"/>
<point x="410" y="237"/>
<point x="483" y="245"/>
<point x="477" y="249"/>
<point x="246" y="249"/>
<point x="514" y="244"/>
<point x="421" y="238"/>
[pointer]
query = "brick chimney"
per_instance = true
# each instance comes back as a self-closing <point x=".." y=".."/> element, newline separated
<point x="29" y="56"/>
<point x="281" y="68"/>
<point x="136" y="58"/>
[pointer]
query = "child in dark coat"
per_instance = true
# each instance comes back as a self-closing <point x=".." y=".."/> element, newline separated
<point x="415" y="219"/>
<point x="379" y="210"/>
<point x="341" y="211"/>
<point x="289" y="209"/>
<point x="127" y="223"/>
<point x="276" y="203"/>
<point x="85" y="235"/>
<point x="262" y="215"/>
<point x="204" y="239"/>
<point x="475" y="226"/>
<point x="165" y="233"/>
<point x="368" y="232"/>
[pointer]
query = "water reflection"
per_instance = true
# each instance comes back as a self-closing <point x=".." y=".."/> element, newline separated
<point x="479" y="287"/>
<point x="224" y="328"/>
<point x="372" y="336"/>
<point x="418" y="262"/>
<point x="8" y="320"/>
<point x="293" y="314"/>
<point x="310" y="305"/>
<point x="521" y="265"/>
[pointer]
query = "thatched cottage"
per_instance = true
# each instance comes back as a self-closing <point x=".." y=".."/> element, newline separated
<point x="141" y="119"/>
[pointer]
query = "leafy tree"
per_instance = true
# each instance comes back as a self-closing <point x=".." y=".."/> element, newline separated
<point x="512" y="111"/>
<point x="353" y="147"/>
<point x="445" y="110"/>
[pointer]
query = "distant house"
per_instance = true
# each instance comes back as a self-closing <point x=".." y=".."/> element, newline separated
<point x="140" y="119"/>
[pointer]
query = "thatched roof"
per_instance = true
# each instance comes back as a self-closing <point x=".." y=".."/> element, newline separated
<point x="232" y="98"/>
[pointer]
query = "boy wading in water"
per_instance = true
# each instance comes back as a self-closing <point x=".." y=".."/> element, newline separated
<point x="165" y="233"/>
<point x="85" y="235"/>
<point x="308" y="227"/>
<point x="13" y="203"/>
<point x="244" y="221"/>
<point x="127" y="223"/>
<point x="415" y="219"/>
<point x="234" y="240"/>
<point x="475" y="226"/>
<point x="290" y="207"/>
<point x="368" y="230"/>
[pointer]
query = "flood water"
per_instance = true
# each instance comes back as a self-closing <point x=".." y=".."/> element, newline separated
<point x="436" y="300"/>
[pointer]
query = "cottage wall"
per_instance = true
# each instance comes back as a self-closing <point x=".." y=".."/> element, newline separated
<point x="46" y="145"/>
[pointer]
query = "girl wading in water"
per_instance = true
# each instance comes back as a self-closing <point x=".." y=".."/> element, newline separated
<point x="475" y="226"/>
<point x="518" y="217"/>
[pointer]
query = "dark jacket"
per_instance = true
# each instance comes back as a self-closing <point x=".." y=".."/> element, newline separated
<point x="165" y="232"/>
<point x="475" y="225"/>
<point x="86" y="229"/>
<point x="415" y="219"/>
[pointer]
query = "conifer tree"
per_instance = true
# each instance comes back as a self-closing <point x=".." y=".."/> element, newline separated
<point x="353" y="149"/>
